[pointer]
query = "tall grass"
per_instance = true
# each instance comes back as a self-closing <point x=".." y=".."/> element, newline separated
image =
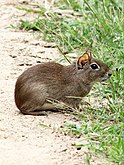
<point x="98" y="25"/>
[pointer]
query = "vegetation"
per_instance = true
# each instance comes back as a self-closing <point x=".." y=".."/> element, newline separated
<point x="98" y="25"/>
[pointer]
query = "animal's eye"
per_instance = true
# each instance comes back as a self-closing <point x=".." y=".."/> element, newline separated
<point x="94" y="66"/>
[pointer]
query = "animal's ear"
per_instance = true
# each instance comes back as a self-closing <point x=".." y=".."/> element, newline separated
<point x="84" y="59"/>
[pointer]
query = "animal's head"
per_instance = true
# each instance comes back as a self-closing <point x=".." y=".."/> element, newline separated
<point x="92" y="69"/>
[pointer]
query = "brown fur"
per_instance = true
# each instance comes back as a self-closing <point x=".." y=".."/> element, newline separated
<point x="53" y="80"/>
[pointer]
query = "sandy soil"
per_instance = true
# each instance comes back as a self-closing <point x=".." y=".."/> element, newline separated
<point x="23" y="141"/>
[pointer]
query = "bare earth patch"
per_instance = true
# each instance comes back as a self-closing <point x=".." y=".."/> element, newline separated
<point x="23" y="140"/>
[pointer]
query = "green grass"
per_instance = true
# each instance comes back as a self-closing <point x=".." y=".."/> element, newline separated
<point x="98" y="25"/>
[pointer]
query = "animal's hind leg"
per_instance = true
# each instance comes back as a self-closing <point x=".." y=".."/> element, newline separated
<point x="38" y="110"/>
<point x="35" y="113"/>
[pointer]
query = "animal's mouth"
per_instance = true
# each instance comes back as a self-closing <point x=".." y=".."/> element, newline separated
<point x="106" y="77"/>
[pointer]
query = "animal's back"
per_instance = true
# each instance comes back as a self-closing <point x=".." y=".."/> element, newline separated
<point x="41" y="72"/>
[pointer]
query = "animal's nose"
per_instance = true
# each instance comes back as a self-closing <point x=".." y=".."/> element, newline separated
<point x="109" y="74"/>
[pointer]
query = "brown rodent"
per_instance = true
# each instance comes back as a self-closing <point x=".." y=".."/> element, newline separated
<point x="51" y="80"/>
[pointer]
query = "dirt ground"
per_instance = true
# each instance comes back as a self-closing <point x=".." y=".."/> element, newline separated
<point x="23" y="141"/>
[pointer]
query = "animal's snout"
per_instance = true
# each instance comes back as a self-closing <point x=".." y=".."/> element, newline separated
<point x="106" y="76"/>
<point x="109" y="74"/>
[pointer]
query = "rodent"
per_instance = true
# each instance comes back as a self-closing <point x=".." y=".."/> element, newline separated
<point x="52" y="80"/>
